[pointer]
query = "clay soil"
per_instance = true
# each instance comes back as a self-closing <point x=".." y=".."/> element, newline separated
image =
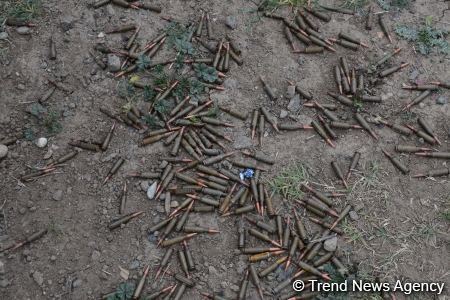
<point x="399" y="231"/>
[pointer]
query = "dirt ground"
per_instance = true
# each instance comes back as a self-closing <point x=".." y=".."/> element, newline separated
<point x="398" y="229"/>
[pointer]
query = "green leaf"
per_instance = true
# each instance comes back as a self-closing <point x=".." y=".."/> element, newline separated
<point x="143" y="62"/>
<point x="29" y="134"/>
<point x="37" y="110"/>
<point x="208" y="74"/>
<point x="428" y="20"/>
<point x="125" y="291"/>
<point x="406" y="32"/>
<point x="196" y="88"/>
<point x="184" y="46"/>
<point x="148" y="93"/>
<point x="112" y="297"/>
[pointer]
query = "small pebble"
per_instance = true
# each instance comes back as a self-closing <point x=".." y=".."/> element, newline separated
<point x="57" y="196"/>
<point x="113" y="63"/>
<point x="290" y="91"/>
<point x="3" y="151"/>
<point x="353" y="215"/>
<point x="151" y="191"/>
<point x="41" y="142"/>
<point x="76" y="283"/>
<point x="38" y="278"/>
<point x="294" y="104"/>
<point x="230" y="21"/>
<point x="331" y="244"/>
<point x="144" y="185"/>
<point x="24" y="30"/>
<point x="3" y="35"/>
<point x="441" y="100"/>
<point x="283" y="114"/>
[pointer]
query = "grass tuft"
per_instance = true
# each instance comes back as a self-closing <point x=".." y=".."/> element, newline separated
<point x="23" y="10"/>
<point x="354" y="4"/>
<point x="288" y="182"/>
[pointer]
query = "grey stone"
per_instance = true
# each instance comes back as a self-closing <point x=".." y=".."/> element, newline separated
<point x="3" y="35"/>
<point x="290" y="91"/>
<point x="24" y="30"/>
<point x="3" y="151"/>
<point x="414" y="75"/>
<point x="21" y="86"/>
<point x="163" y="164"/>
<point x="4" y="283"/>
<point x="57" y="196"/>
<point x="113" y="62"/>
<point x="145" y="185"/>
<point x="294" y="104"/>
<point x="134" y="265"/>
<point x="441" y="100"/>
<point x="353" y="215"/>
<point x="230" y="21"/>
<point x="174" y="204"/>
<point x="212" y="270"/>
<point x="151" y="191"/>
<point x="110" y="9"/>
<point x="283" y="114"/>
<point x="66" y="24"/>
<point x="95" y="255"/>
<point x="38" y="278"/>
<point x="234" y="288"/>
<point x="77" y="283"/>
<point x="41" y="142"/>
<point x="330" y="244"/>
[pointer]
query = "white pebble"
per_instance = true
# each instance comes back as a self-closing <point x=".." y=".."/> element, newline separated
<point x="41" y="142"/>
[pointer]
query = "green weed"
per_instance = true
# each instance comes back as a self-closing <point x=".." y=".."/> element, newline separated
<point x="426" y="38"/>
<point x="29" y="134"/>
<point x="288" y="182"/>
<point x="354" y="4"/>
<point x="51" y="122"/>
<point x="143" y="62"/>
<point x="397" y="4"/>
<point x="205" y="73"/>
<point x="123" y="292"/>
<point x="23" y="10"/>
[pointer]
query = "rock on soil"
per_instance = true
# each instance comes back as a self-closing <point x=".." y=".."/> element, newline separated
<point x="57" y="196"/>
<point x="294" y="104"/>
<point x="113" y="63"/>
<point x="330" y="244"/>
<point x="441" y="100"/>
<point x="23" y="30"/>
<point x="152" y="191"/>
<point x="38" y="278"/>
<point x="41" y="142"/>
<point x="230" y="21"/>
<point x="290" y="91"/>
<point x="3" y="151"/>
<point x="283" y="114"/>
